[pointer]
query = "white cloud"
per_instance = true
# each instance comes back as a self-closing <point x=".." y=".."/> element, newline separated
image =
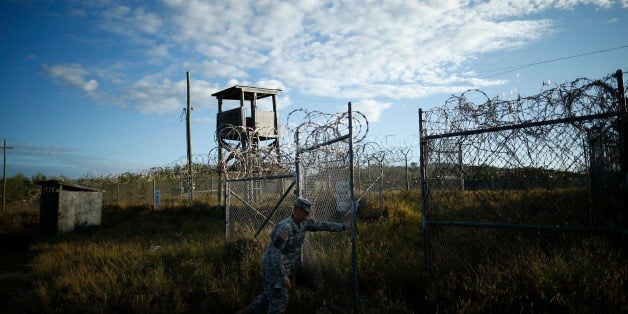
<point x="73" y="75"/>
<point x="348" y="45"/>
<point x="339" y="49"/>
<point x="371" y="109"/>
<point x="569" y="4"/>
<point x="205" y="120"/>
<point x="151" y="95"/>
<point x="271" y="83"/>
<point x="214" y="68"/>
<point x="147" y="22"/>
<point x="135" y="23"/>
<point x="160" y="51"/>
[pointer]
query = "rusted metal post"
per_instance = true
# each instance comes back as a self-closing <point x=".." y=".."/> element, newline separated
<point x="424" y="193"/>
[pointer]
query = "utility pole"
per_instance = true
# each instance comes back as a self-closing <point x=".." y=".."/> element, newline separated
<point x="4" y="173"/>
<point x="189" y="137"/>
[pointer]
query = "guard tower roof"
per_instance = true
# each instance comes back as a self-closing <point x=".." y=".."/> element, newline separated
<point x="235" y="91"/>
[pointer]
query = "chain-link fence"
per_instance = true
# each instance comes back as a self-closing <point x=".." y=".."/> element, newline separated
<point x="172" y="192"/>
<point x="382" y="167"/>
<point x="503" y="176"/>
<point x="324" y="171"/>
<point x="322" y="164"/>
<point x="255" y="203"/>
<point x="161" y="186"/>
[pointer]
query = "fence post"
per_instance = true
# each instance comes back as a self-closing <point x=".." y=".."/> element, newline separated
<point x="407" y="173"/>
<point x="297" y="166"/>
<point x="354" y="256"/>
<point x="461" y="168"/>
<point x="623" y="135"/>
<point x="368" y="175"/>
<point x="227" y="218"/>
<point x="424" y="225"/>
<point x="623" y="122"/>
<point x="381" y="185"/>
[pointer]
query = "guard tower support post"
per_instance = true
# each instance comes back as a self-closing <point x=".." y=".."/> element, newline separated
<point x="253" y="130"/>
<point x="276" y="126"/>
<point x="218" y="165"/>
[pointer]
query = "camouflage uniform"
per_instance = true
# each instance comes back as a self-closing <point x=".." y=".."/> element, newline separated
<point x="282" y="252"/>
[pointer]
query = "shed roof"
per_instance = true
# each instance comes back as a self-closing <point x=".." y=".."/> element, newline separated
<point x="67" y="186"/>
<point x="235" y="91"/>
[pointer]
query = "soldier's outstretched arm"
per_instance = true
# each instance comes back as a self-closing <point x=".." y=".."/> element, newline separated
<point x="321" y="225"/>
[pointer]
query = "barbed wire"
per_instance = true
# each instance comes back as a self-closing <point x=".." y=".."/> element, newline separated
<point x="249" y="152"/>
<point x="573" y="103"/>
<point x="474" y="109"/>
<point x="316" y="127"/>
<point x="552" y="160"/>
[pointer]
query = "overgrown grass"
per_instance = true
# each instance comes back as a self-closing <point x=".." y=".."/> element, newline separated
<point x="177" y="260"/>
<point x="575" y="281"/>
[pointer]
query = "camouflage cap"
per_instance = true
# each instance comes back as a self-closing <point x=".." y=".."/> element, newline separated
<point x="304" y="203"/>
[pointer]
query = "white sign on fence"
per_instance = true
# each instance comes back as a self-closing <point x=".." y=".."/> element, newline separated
<point x="343" y="196"/>
<point x="157" y="199"/>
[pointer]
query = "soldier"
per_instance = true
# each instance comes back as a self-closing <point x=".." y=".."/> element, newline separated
<point x="281" y="254"/>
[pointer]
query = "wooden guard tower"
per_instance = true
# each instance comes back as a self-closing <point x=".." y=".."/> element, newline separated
<point x="255" y="128"/>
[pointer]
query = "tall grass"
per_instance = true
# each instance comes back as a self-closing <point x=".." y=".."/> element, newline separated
<point x="176" y="260"/>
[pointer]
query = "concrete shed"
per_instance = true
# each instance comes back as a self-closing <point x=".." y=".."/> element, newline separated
<point x="66" y="207"/>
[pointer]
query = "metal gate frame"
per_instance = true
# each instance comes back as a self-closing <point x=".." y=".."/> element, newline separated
<point x="621" y="114"/>
<point x="298" y="184"/>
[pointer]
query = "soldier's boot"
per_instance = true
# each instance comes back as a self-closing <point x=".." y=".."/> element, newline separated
<point x="247" y="310"/>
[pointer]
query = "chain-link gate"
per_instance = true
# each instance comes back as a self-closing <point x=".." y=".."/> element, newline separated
<point x="252" y="203"/>
<point x="323" y="164"/>
<point x="506" y="176"/>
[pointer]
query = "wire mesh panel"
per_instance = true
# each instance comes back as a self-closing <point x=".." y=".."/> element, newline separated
<point x="503" y="176"/>
<point x="325" y="176"/>
<point x="325" y="172"/>
<point x="256" y="203"/>
<point x="172" y="181"/>
<point x="257" y="198"/>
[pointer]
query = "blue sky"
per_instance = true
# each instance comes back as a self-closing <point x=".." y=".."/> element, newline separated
<point x="99" y="87"/>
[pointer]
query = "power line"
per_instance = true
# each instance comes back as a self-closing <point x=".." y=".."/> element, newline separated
<point x="519" y="67"/>
<point x="508" y="70"/>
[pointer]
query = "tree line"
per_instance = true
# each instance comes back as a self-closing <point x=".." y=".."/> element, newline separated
<point x="20" y="191"/>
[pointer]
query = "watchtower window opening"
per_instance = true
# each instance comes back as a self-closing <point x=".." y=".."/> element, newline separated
<point x="246" y="104"/>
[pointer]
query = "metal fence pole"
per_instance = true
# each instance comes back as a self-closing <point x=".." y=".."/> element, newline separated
<point x="623" y="118"/>
<point x="623" y="136"/>
<point x="297" y="166"/>
<point x="227" y="205"/>
<point x="424" y="192"/>
<point x="407" y="173"/>
<point x="354" y="255"/>
<point x="381" y="185"/>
